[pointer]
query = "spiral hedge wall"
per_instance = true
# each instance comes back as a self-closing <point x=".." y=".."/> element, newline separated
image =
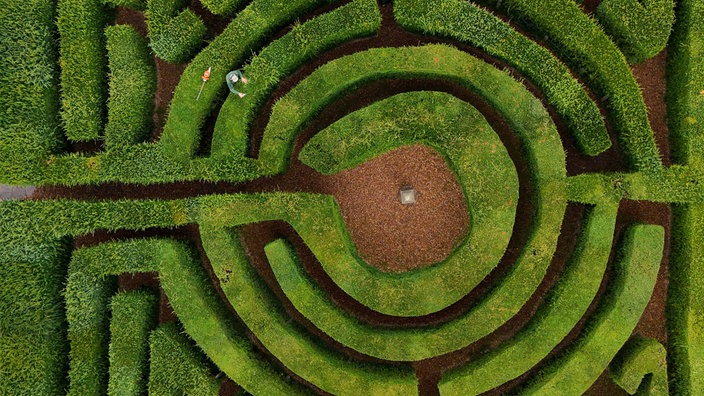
<point x="178" y="242"/>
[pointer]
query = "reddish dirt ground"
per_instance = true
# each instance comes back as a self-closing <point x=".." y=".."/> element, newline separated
<point x="387" y="234"/>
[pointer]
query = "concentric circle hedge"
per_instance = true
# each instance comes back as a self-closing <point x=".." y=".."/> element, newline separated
<point x="178" y="239"/>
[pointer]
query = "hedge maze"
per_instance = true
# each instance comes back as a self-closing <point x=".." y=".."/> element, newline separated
<point x="204" y="253"/>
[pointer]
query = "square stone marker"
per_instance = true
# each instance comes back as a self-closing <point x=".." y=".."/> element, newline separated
<point x="408" y="195"/>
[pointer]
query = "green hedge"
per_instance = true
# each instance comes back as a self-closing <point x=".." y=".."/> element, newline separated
<point x="87" y="300"/>
<point x="461" y="134"/>
<point x="134" y="316"/>
<point x="279" y="59"/>
<point x="473" y="25"/>
<point x="91" y="283"/>
<point x="685" y="73"/>
<point x="562" y="309"/>
<point x="523" y="112"/>
<point x="640" y="28"/>
<point x="143" y="163"/>
<point x="685" y="301"/>
<point x="685" y="115"/>
<point x="28" y="222"/>
<point x="210" y="324"/>
<point x="169" y="160"/>
<point x="176" y="367"/>
<point x="676" y="184"/>
<point x="228" y="51"/>
<point x="139" y="5"/>
<point x="635" y="274"/>
<point x="583" y="44"/>
<point x="32" y="320"/>
<point x="638" y="358"/>
<point x="291" y="344"/>
<point x="132" y="83"/>
<point x="29" y="122"/>
<point x="222" y="7"/>
<point x="476" y="155"/>
<point x="173" y="36"/>
<point x="83" y="63"/>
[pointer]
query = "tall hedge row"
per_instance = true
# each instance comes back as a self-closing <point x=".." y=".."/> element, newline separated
<point x="208" y="321"/>
<point x="177" y="367"/>
<point x="33" y="343"/>
<point x="91" y="283"/>
<point x="174" y="35"/>
<point x="563" y="307"/>
<point x="640" y="28"/>
<point x="29" y="97"/>
<point x="685" y="116"/>
<point x="357" y="19"/>
<point x="134" y="316"/>
<point x="222" y="7"/>
<point x="685" y="72"/>
<point x="583" y="44"/>
<point x="639" y="359"/>
<point x="28" y="221"/>
<point x="291" y="344"/>
<point x="468" y="23"/>
<point x="228" y="51"/>
<point x="139" y="5"/>
<point x="132" y="83"/>
<point x="635" y="273"/>
<point x="83" y="63"/>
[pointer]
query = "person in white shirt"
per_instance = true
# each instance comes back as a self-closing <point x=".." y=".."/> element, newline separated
<point x="231" y="78"/>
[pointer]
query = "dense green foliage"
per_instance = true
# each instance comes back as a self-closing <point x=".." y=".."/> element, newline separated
<point x="90" y="285"/>
<point x="522" y="111"/>
<point x="32" y="330"/>
<point x="81" y="25"/>
<point x="635" y="274"/>
<point x="473" y="25"/>
<point x="176" y="367"/>
<point x="210" y="324"/>
<point x="140" y="5"/>
<point x="583" y="44"/>
<point x="29" y="222"/>
<point x="228" y="51"/>
<point x="313" y="361"/>
<point x="564" y="306"/>
<point x="152" y="163"/>
<point x="222" y="7"/>
<point x="640" y="28"/>
<point x="64" y="329"/>
<point x="685" y="73"/>
<point x="174" y="35"/>
<point x="685" y="298"/>
<point x="29" y="121"/>
<point x="132" y="83"/>
<point x="134" y="316"/>
<point x="685" y="107"/>
<point x="637" y="359"/>
<point x="476" y="155"/>
<point x="277" y="60"/>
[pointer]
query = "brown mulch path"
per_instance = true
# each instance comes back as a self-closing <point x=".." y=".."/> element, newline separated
<point x="589" y="6"/>
<point x="134" y="18"/>
<point x="395" y="237"/>
<point x="651" y="79"/>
